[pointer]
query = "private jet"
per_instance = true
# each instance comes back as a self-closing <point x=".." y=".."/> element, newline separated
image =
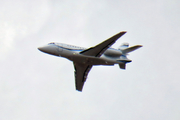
<point x="85" y="58"/>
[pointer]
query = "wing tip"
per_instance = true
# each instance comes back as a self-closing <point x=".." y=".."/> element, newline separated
<point x="79" y="90"/>
<point x="123" y="31"/>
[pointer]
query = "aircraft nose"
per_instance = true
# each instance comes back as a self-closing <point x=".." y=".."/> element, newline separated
<point x="46" y="48"/>
<point x="49" y="49"/>
<point x="43" y="49"/>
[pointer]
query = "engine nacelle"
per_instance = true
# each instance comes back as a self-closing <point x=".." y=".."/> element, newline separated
<point x="113" y="52"/>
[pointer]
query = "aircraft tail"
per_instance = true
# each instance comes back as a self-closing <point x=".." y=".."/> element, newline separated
<point x="125" y="49"/>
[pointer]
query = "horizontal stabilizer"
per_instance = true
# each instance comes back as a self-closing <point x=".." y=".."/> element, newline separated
<point x="130" y="49"/>
<point x="124" y="61"/>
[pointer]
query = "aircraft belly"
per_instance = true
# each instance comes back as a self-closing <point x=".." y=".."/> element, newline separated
<point x="65" y="53"/>
<point x="91" y="60"/>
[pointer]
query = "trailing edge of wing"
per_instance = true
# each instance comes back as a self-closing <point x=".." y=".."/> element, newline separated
<point x="80" y="73"/>
<point x="99" y="49"/>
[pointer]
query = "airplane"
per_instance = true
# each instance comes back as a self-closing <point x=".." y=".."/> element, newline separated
<point x="85" y="58"/>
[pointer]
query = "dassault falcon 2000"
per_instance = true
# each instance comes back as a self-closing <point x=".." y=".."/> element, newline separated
<point x="84" y="59"/>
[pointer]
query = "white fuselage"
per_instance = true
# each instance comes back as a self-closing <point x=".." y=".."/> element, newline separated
<point x="110" y="57"/>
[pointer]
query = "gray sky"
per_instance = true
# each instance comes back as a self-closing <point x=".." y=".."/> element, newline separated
<point x="37" y="86"/>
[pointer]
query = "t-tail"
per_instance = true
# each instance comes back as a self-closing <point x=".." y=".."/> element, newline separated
<point x="123" y="46"/>
<point x="125" y="49"/>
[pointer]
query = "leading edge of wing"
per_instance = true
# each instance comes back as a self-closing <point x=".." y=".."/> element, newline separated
<point x="80" y="73"/>
<point x="99" y="49"/>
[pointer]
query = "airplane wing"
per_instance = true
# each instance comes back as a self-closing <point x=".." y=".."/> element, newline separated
<point x="81" y="72"/>
<point x="99" y="49"/>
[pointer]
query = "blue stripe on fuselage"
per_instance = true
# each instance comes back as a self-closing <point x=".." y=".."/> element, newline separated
<point x="67" y="48"/>
<point x="71" y="49"/>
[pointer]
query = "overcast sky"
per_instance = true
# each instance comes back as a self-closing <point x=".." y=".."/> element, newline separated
<point x="38" y="86"/>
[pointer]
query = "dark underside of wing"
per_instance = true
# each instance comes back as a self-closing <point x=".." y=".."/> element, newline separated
<point x="99" y="49"/>
<point x="80" y="73"/>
